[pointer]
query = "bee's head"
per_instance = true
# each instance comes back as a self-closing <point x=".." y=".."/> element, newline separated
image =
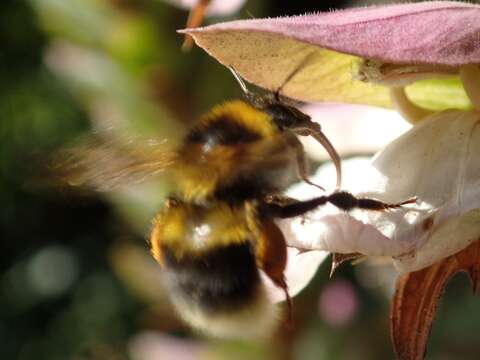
<point x="284" y="115"/>
<point x="283" y="112"/>
<point x="287" y="117"/>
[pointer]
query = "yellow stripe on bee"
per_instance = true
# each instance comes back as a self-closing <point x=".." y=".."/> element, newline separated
<point x="155" y="243"/>
<point x="197" y="177"/>
<point x="188" y="230"/>
<point x="243" y="114"/>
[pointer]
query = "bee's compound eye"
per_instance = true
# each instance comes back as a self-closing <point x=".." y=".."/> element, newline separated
<point x="283" y="117"/>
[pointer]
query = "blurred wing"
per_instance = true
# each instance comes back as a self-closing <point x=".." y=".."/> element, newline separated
<point x="104" y="165"/>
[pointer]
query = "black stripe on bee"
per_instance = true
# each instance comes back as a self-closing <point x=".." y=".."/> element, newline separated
<point x="248" y="187"/>
<point x="222" y="279"/>
<point x="222" y="131"/>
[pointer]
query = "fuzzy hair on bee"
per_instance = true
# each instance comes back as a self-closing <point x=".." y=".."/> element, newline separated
<point x="212" y="267"/>
<point x="213" y="255"/>
<point x="216" y="233"/>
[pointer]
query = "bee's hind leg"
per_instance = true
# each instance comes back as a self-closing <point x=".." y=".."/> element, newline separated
<point x="343" y="200"/>
<point x="346" y="201"/>
<point x="283" y="201"/>
<point x="280" y="200"/>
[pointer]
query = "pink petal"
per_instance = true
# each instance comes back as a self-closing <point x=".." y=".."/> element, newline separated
<point x="437" y="32"/>
<point x="326" y="49"/>
<point x="151" y="345"/>
<point x="338" y="303"/>
<point x="215" y="8"/>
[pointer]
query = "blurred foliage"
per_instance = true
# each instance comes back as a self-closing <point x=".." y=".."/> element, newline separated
<point x="76" y="279"/>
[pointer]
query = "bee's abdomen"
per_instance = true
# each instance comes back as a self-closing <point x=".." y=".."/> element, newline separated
<point x="225" y="278"/>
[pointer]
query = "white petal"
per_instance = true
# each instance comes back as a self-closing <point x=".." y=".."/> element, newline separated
<point x="330" y="229"/>
<point x="436" y="161"/>
<point x="448" y="239"/>
<point x="340" y="233"/>
<point x="354" y="129"/>
<point x="301" y="267"/>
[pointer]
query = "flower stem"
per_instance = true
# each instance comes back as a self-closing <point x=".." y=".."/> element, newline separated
<point x="470" y="76"/>
<point x="410" y="112"/>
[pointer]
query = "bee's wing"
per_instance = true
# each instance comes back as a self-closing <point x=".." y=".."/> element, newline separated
<point x="104" y="165"/>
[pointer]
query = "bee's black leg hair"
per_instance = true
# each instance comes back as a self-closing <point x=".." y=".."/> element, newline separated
<point x="346" y="201"/>
<point x="293" y="209"/>
<point x="343" y="200"/>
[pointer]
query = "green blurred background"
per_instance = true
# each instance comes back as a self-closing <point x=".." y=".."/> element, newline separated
<point x="76" y="279"/>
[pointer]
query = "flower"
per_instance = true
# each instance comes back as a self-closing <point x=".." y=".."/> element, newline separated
<point x="214" y="8"/>
<point x="264" y="51"/>
<point x="392" y="56"/>
<point x="201" y="8"/>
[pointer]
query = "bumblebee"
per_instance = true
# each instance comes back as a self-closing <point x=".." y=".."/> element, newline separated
<point x="213" y="254"/>
<point x="217" y="231"/>
<point x="247" y="149"/>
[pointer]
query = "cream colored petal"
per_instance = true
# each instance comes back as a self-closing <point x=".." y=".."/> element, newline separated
<point x="301" y="267"/>
<point x="437" y="162"/>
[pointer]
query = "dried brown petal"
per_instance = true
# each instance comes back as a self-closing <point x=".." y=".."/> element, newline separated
<point x="416" y="300"/>
<point x="338" y="259"/>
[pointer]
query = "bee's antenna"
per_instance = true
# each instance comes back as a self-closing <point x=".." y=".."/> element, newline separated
<point x="291" y="75"/>
<point x="248" y="93"/>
